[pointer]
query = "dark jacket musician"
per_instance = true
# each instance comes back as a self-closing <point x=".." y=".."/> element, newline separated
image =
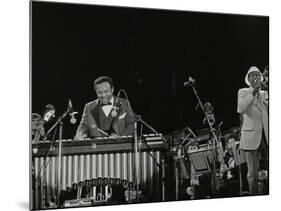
<point x="106" y="115"/>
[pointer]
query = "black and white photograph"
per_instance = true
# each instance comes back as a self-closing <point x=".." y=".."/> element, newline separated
<point x="137" y="105"/>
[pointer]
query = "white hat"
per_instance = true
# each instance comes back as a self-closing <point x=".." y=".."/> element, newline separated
<point x="252" y="69"/>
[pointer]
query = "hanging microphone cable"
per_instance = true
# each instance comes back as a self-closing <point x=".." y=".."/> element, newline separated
<point x="129" y="106"/>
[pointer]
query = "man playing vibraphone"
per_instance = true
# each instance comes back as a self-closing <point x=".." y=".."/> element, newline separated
<point x="105" y="116"/>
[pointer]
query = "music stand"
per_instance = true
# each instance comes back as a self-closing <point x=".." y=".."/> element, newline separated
<point x="200" y="160"/>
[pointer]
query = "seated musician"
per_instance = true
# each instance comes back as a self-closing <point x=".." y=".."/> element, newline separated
<point x="235" y="172"/>
<point x="105" y="116"/>
<point x="37" y="129"/>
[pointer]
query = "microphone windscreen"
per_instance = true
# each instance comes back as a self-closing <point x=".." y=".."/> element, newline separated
<point x="73" y="120"/>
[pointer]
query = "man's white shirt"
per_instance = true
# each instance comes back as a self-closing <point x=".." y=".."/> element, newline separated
<point x="106" y="109"/>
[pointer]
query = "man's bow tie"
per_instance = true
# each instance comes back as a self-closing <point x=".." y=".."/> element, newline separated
<point x="109" y="103"/>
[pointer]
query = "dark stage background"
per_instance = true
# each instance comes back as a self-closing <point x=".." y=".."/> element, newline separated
<point x="149" y="53"/>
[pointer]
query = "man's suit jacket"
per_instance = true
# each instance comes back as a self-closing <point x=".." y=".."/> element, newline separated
<point x="123" y="123"/>
<point x="255" y="117"/>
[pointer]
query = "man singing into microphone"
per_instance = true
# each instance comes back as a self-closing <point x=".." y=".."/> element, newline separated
<point x="107" y="115"/>
<point x="253" y="105"/>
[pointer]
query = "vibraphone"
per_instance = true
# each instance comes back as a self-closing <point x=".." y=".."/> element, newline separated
<point x="97" y="159"/>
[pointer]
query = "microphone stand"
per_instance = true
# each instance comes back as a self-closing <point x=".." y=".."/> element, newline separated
<point x="214" y="136"/>
<point x="60" y="122"/>
<point x="137" y="118"/>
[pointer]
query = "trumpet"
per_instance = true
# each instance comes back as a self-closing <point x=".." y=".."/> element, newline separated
<point x="263" y="85"/>
<point x="265" y="74"/>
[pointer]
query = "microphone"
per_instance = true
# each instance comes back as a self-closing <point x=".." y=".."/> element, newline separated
<point x="117" y="102"/>
<point x="116" y="106"/>
<point x="73" y="120"/>
<point x="190" y="82"/>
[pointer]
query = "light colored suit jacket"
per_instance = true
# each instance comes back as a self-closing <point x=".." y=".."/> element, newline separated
<point x="255" y="117"/>
<point x="123" y="123"/>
